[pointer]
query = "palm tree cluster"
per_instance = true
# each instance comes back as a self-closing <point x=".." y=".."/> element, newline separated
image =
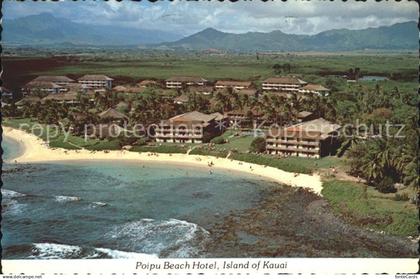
<point x="383" y="156"/>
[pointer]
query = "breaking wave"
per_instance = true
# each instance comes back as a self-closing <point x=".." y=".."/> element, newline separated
<point x="62" y="251"/>
<point x="66" y="198"/>
<point x="100" y="204"/>
<point x="9" y="194"/>
<point x="166" y="238"/>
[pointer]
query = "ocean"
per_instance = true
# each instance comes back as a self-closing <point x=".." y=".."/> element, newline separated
<point x="115" y="209"/>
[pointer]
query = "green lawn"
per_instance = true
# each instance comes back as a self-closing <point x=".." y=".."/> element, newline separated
<point x="361" y="205"/>
<point x="238" y="143"/>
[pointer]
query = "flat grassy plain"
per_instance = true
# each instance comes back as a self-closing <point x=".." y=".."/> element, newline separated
<point x="242" y="67"/>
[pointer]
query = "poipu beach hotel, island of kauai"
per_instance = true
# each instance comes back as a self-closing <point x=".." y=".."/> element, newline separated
<point x="283" y="133"/>
<point x="305" y="134"/>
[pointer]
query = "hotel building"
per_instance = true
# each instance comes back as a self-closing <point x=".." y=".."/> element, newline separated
<point x="96" y="81"/>
<point x="287" y="84"/>
<point x="47" y="84"/>
<point x="191" y="127"/>
<point x="313" y="139"/>
<point x="179" y="82"/>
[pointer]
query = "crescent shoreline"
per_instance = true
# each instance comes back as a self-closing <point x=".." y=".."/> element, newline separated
<point x="35" y="150"/>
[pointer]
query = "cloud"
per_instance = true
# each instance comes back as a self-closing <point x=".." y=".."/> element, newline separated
<point x="298" y="17"/>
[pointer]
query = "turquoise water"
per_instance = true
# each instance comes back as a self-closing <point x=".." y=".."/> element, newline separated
<point x="117" y="209"/>
<point x="373" y="78"/>
<point x="11" y="148"/>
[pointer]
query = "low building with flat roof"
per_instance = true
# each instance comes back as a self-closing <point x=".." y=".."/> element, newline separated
<point x="311" y="139"/>
<point x="180" y="81"/>
<point x="190" y="127"/>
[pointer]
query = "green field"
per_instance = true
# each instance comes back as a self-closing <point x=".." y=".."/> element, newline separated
<point x="239" y="66"/>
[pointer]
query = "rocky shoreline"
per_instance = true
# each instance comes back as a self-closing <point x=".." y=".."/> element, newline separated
<point x="297" y="223"/>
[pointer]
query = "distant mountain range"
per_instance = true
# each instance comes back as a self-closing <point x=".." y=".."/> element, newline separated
<point x="397" y="36"/>
<point x="46" y="29"/>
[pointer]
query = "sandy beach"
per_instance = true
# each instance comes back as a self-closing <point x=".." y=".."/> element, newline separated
<point x="35" y="150"/>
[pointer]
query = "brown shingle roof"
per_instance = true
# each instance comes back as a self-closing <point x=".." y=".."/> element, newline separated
<point x="94" y="77"/>
<point x="314" y="129"/>
<point x="194" y="117"/>
<point x="53" y="79"/>
<point x="61" y="97"/>
<point x="42" y="84"/>
<point x="285" y="80"/>
<point x="247" y="91"/>
<point x="181" y="99"/>
<point x="315" y="87"/>
<point x="233" y="83"/>
<point x="147" y="82"/>
<point x="129" y="89"/>
<point x="28" y="100"/>
<point x="120" y="88"/>
<point x="112" y="114"/>
<point x="304" y="114"/>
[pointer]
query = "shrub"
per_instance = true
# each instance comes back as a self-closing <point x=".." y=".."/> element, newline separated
<point x="386" y="185"/>
<point x="218" y="140"/>
<point x="258" y="145"/>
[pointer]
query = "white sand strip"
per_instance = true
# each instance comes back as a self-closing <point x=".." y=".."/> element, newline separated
<point x="36" y="151"/>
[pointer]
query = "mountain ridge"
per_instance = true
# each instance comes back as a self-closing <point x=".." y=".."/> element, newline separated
<point x="46" y="29"/>
<point x="397" y="36"/>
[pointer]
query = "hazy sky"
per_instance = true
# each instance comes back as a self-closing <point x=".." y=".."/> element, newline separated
<point x="185" y="18"/>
